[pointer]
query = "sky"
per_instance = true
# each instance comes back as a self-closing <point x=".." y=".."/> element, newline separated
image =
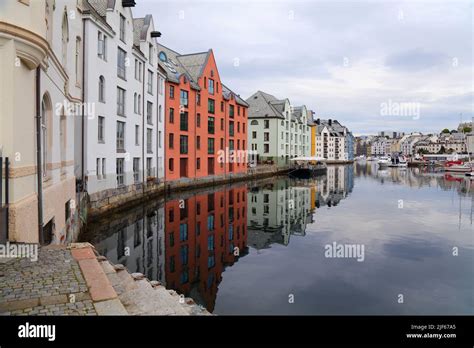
<point x="372" y="65"/>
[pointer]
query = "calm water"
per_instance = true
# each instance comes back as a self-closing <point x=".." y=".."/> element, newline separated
<point x="261" y="247"/>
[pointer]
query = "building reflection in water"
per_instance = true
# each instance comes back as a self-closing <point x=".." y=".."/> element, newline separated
<point x="185" y="243"/>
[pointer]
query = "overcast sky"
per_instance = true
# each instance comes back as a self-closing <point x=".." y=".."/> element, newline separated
<point x="346" y="60"/>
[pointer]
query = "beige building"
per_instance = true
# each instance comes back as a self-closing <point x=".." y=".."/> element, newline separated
<point x="40" y="94"/>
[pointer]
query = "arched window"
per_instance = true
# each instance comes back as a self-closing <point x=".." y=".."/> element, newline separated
<point x="65" y="37"/>
<point x="62" y="137"/>
<point x="135" y="103"/>
<point x="102" y="89"/>
<point x="78" y="61"/>
<point x="139" y="106"/>
<point x="159" y="114"/>
<point x="46" y="132"/>
<point x="254" y="123"/>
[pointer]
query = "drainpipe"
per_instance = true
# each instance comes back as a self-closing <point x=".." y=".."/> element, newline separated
<point x="83" y="171"/>
<point x="39" y="160"/>
<point x="143" y="128"/>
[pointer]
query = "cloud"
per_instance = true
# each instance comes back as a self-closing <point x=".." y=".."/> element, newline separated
<point x="342" y="59"/>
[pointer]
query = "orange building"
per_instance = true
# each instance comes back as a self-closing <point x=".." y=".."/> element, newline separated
<point x="205" y="122"/>
<point x="204" y="234"/>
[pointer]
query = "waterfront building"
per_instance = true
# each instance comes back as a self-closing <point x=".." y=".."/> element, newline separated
<point x="120" y="146"/>
<point x="470" y="143"/>
<point x="334" y="142"/>
<point x="407" y="144"/>
<point x="40" y="95"/>
<point x="277" y="130"/>
<point x="205" y="121"/>
<point x="446" y="143"/>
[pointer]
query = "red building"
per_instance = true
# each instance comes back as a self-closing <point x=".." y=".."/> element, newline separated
<point x="206" y="123"/>
<point x="204" y="234"/>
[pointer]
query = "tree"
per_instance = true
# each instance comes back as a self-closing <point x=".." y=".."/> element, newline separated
<point x="454" y="131"/>
<point x="445" y="131"/>
<point x="467" y="129"/>
<point x="442" y="150"/>
<point x="422" y="151"/>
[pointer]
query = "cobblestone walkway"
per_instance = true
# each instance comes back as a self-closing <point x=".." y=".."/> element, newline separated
<point x="52" y="285"/>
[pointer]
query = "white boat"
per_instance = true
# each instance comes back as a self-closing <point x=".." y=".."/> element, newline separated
<point x="384" y="161"/>
<point x="467" y="167"/>
<point x="399" y="162"/>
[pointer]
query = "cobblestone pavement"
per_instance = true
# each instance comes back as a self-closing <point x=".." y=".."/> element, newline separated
<point x="52" y="285"/>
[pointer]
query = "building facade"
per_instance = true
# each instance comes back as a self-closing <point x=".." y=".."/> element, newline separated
<point x="40" y="95"/>
<point x="334" y="142"/>
<point x="205" y="122"/>
<point x="277" y="130"/>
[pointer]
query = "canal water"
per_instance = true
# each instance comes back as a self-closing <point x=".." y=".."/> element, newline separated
<point x="358" y="240"/>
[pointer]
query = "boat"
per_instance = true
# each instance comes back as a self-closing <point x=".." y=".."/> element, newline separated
<point x="399" y="162"/>
<point x="384" y="161"/>
<point x="471" y="174"/>
<point x="307" y="167"/>
<point x="458" y="167"/>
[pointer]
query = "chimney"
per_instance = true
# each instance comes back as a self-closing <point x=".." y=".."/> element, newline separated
<point x="318" y="121"/>
<point x="330" y="122"/>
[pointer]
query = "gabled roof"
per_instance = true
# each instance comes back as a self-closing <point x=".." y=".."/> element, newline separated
<point x="262" y="104"/>
<point x="227" y="93"/>
<point x="175" y="68"/>
<point x="98" y="9"/>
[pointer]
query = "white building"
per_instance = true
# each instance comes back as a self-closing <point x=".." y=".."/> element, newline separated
<point x="277" y="131"/>
<point x="122" y="143"/>
<point x="41" y="89"/>
<point x="331" y="138"/>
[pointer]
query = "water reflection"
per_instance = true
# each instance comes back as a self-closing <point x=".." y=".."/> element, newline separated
<point x="278" y="227"/>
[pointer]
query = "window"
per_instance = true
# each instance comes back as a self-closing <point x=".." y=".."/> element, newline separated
<point x="78" y="60"/>
<point x="231" y="110"/>
<point x="238" y="110"/>
<point x="159" y="139"/>
<point x="150" y="54"/>
<point x="139" y="104"/>
<point x="231" y="145"/>
<point x="222" y="143"/>
<point x="120" y="171"/>
<point x="150" y="82"/>
<point x="149" y="112"/>
<point x="171" y="116"/>
<point x="120" y="101"/>
<point x="100" y="129"/>
<point x="238" y="127"/>
<point x="198" y="98"/>
<point x="65" y="37"/>
<point x="120" y="136"/>
<point x="266" y="148"/>
<point x="210" y="125"/>
<point x="210" y="146"/>
<point x="104" y="172"/>
<point x="266" y="124"/>
<point x="210" y="239"/>
<point x="149" y="169"/>
<point x="121" y="57"/>
<point x="266" y="136"/>
<point x="210" y="86"/>
<point x="198" y="163"/>
<point x="222" y="124"/>
<point x="137" y="135"/>
<point x="254" y="135"/>
<point x="222" y="106"/>
<point x="198" y="120"/>
<point x="183" y="144"/>
<point x="184" y="98"/>
<point x="122" y="28"/>
<point x="101" y="46"/>
<point x="159" y="114"/>
<point x="171" y="140"/>
<point x="98" y="168"/>
<point x="149" y="133"/>
<point x="183" y="232"/>
<point x="231" y="128"/>
<point x="171" y="164"/>
<point x="210" y="106"/>
<point x="198" y="142"/>
<point x="136" y="169"/>
<point x="138" y="70"/>
<point x="171" y="92"/>
<point x="183" y="121"/>
<point x="102" y="89"/>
